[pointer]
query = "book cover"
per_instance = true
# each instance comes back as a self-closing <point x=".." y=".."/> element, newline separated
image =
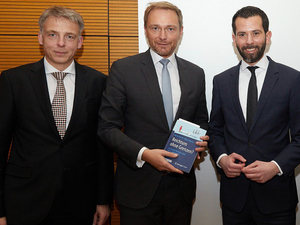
<point x="182" y="141"/>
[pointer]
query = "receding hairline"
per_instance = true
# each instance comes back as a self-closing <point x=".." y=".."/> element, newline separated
<point x="163" y="6"/>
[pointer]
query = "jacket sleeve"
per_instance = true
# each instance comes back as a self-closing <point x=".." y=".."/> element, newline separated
<point x="7" y="121"/>
<point x="111" y="118"/>
<point x="215" y="132"/>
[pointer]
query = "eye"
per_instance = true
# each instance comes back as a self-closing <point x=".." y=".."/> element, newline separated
<point x="70" y="37"/>
<point x="155" y="28"/>
<point x="52" y="35"/>
<point x="171" y="29"/>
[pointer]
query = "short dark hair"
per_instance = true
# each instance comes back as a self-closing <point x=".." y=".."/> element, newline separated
<point x="250" y="11"/>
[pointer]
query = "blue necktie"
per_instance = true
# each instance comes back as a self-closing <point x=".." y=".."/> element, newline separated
<point x="252" y="96"/>
<point x="167" y="91"/>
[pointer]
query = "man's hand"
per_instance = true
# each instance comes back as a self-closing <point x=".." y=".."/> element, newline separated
<point x="156" y="157"/>
<point x="261" y="172"/>
<point x="230" y="166"/>
<point x="202" y="145"/>
<point x="3" y="221"/>
<point x="101" y="214"/>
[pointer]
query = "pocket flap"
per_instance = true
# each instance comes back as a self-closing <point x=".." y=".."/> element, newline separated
<point x="18" y="171"/>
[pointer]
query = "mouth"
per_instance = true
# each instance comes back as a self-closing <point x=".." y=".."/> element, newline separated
<point x="250" y="49"/>
<point x="163" y="44"/>
<point x="60" y="53"/>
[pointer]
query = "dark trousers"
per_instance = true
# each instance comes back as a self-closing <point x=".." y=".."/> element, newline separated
<point x="50" y="221"/>
<point x="251" y="215"/>
<point x="168" y="207"/>
<point x="60" y="214"/>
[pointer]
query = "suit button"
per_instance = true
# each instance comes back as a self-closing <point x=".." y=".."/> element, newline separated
<point x="249" y="144"/>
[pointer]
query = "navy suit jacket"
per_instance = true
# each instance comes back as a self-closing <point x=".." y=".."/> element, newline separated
<point x="41" y="165"/>
<point x="133" y="100"/>
<point x="277" y="114"/>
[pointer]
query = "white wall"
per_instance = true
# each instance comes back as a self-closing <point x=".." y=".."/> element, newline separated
<point x="207" y="42"/>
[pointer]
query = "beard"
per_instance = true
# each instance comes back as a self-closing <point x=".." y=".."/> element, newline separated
<point x="252" y="58"/>
<point x="164" y="52"/>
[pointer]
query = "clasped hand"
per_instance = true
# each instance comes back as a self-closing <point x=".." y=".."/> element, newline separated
<point x="234" y="164"/>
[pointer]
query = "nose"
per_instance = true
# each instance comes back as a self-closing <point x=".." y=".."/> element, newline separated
<point x="61" y="41"/>
<point x="163" y="34"/>
<point x="249" y="39"/>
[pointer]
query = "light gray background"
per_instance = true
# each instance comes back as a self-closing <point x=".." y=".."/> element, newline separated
<point x="207" y="42"/>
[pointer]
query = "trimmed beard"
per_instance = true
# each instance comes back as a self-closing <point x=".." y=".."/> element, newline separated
<point x="252" y="58"/>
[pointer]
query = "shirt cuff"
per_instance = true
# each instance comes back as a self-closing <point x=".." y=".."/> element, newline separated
<point x="280" y="171"/>
<point x="220" y="157"/>
<point x="139" y="161"/>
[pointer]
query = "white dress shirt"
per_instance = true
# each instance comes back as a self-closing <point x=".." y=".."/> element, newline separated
<point x="176" y="91"/>
<point x="69" y="82"/>
<point x="244" y="78"/>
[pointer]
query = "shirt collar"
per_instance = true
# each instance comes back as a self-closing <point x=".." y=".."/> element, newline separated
<point x="262" y="64"/>
<point x="156" y="58"/>
<point x="50" y="69"/>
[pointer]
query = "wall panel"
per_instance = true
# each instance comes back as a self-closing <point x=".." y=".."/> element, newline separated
<point x="106" y="21"/>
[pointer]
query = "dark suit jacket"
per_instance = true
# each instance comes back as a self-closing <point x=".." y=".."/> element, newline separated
<point x="41" y="165"/>
<point x="277" y="113"/>
<point x="133" y="99"/>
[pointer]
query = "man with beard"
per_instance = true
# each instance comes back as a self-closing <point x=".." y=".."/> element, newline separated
<point x="150" y="190"/>
<point x="255" y="130"/>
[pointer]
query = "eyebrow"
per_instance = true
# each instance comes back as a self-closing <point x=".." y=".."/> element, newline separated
<point x="66" y="33"/>
<point x="242" y="32"/>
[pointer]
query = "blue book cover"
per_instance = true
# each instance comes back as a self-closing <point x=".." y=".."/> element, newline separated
<point x="182" y="141"/>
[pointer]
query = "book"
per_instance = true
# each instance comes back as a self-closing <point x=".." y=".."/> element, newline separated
<point x="182" y="141"/>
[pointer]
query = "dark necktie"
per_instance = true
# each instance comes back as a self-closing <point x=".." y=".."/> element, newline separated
<point x="59" y="104"/>
<point x="252" y="96"/>
<point x="167" y="91"/>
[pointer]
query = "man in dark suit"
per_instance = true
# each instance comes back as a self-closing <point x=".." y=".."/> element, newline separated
<point x="256" y="146"/>
<point x="56" y="173"/>
<point x="150" y="190"/>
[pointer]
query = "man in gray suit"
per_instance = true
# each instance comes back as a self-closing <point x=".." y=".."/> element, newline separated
<point x="150" y="190"/>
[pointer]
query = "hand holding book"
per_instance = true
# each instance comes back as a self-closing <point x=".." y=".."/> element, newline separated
<point x="182" y="141"/>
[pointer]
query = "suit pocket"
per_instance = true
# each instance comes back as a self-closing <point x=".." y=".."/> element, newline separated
<point x="18" y="171"/>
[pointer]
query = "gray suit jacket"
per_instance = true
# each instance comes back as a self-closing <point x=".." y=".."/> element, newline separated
<point x="133" y="100"/>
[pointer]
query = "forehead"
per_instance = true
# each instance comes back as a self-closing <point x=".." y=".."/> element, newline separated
<point x="163" y="17"/>
<point x="250" y="23"/>
<point x="61" y="24"/>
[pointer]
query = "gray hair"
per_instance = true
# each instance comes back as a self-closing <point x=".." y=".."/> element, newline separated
<point x="58" y="12"/>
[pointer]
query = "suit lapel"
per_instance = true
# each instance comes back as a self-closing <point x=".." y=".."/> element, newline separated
<point x="150" y="75"/>
<point x="234" y="92"/>
<point x="39" y="85"/>
<point x="79" y="96"/>
<point x="269" y="83"/>
<point x="183" y="82"/>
